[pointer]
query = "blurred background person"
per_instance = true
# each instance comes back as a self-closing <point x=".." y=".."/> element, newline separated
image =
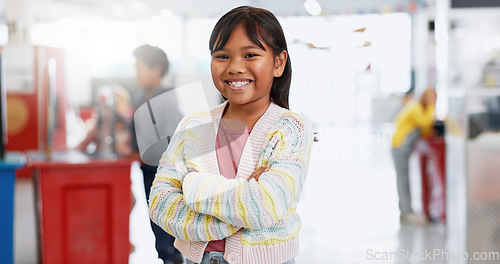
<point x="152" y="65"/>
<point x="415" y="120"/>
<point x="109" y="133"/>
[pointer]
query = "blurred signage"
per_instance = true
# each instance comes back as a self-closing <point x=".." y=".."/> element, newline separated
<point x="474" y="3"/>
<point x="19" y="67"/>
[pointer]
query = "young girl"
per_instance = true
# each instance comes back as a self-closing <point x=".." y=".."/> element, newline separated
<point x="229" y="193"/>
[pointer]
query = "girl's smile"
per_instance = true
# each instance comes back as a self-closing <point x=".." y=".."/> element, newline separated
<point x="238" y="85"/>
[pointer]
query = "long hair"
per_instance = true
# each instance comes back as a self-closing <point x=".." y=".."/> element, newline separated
<point x="261" y="25"/>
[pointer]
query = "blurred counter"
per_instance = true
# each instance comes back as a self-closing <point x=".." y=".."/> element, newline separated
<point x="83" y="207"/>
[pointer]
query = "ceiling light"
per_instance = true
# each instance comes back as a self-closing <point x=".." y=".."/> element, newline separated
<point x="313" y="7"/>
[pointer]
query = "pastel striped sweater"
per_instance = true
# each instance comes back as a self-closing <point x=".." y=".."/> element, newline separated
<point x="193" y="202"/>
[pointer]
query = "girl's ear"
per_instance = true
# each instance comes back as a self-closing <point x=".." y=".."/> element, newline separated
<point x="279" y="63"/>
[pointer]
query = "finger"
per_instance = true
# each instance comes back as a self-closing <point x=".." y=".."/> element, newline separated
<point x="263" y="169"/>
<point x="259" y="170"/>
<point x="257" y="176"/>
<point x="257" y="173"/>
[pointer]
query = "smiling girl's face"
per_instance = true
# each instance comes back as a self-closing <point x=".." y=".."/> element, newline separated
<point x="243" y="72"/>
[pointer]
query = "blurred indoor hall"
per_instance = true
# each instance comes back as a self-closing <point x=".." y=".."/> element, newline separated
<point x="355" y="65"/>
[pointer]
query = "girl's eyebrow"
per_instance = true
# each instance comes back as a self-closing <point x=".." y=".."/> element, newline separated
<point x="223" y="49"/>
<point x="251" y="47"/>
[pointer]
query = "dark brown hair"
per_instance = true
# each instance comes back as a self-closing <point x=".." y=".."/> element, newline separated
<point x="153" y="57"/>
<point x="260" y="25"/>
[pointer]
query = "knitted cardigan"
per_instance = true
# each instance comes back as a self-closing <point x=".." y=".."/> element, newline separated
<point x="193" y="202"/>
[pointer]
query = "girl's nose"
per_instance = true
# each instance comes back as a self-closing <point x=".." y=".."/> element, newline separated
<point x="236" y="66"/>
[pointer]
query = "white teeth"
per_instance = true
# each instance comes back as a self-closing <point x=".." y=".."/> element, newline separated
<point x="238" y="83"/>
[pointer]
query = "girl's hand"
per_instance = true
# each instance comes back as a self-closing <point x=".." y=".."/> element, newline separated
<point x="256" y="174"/>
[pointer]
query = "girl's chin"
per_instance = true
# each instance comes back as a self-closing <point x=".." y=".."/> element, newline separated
<point x="238" y="96"/>
<point x="237" y="101"/>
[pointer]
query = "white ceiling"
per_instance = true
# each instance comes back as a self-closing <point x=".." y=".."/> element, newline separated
<point x="52" y="9"/>
<point x="279" y="7"/>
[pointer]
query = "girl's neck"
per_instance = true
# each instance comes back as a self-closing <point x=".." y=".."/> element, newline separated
<point x="247" y="113"/>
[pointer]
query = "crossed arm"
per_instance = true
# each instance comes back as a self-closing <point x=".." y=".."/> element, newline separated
<point x="200" y="206"/>
<point x="167" y="206"/>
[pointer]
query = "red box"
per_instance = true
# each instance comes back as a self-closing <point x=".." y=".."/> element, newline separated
<point x="84" y="208"/>
<point x="432" y="167"/>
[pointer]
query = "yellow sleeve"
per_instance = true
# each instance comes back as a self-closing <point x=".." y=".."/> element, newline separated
<point x="412" y="116"/>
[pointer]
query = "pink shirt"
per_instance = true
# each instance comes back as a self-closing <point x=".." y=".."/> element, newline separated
<point x="230" y="144"/>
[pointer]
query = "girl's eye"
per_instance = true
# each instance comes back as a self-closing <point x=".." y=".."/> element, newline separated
<point x="251" y="55"/>
<point x="222" y="57"/>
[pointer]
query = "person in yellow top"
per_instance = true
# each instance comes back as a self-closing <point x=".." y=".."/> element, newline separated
<point x="415" y="120"/>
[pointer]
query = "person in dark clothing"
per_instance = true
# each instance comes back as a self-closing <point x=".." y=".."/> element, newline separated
<point x="152" y="65"/>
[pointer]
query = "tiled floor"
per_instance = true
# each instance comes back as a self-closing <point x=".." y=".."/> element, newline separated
<point x="348" y="207"/>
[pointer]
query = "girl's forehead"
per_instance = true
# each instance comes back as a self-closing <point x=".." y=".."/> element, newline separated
<point x="240" y="33"/>
<point x="237" y="31"/>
